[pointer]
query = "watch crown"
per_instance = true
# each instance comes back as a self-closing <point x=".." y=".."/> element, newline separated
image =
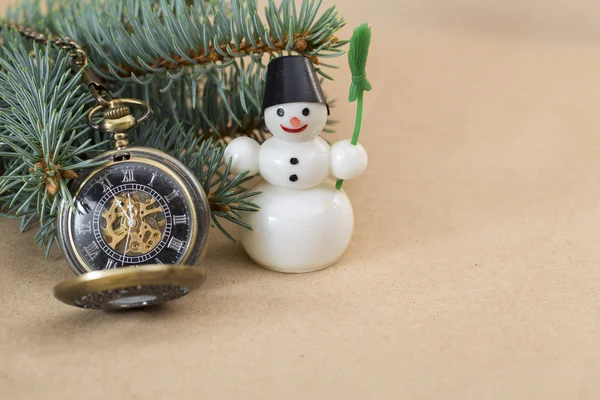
<point x="117" y="112"/>
<point x="118" y="118"/>
<point x="117" y="121"/>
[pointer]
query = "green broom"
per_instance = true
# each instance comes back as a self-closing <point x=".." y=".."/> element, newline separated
<point x="357" y="58"/>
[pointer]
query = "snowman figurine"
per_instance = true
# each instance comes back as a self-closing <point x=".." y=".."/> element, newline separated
<point x="304" y="224"/>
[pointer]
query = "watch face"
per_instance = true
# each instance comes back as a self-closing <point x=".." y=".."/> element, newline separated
<point x="131" y="213"/>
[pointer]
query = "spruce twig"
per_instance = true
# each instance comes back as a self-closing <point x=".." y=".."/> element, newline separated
<point x="43" y="135"/>
<point x="199" y="64"/>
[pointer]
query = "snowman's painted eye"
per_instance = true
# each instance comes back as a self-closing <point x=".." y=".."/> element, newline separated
<point x="306" y="112"/>
<point x="280" y="112"/>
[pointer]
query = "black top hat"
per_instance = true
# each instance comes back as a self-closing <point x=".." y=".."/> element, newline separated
<point x="292" y="79"/>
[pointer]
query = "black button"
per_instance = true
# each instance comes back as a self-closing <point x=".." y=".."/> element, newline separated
<point x="293" y="178"/>
<point x="294" y="161"/>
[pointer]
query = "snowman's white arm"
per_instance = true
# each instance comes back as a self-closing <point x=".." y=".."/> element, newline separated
<point x="347" y="161"/>
<point x="244" y="155"/>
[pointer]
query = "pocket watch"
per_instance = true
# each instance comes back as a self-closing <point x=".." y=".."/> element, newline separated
<point x="136" y="222"/>
<point x="139" y="222"/>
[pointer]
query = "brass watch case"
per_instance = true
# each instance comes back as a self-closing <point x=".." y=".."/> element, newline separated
<point x="131" y="287"/>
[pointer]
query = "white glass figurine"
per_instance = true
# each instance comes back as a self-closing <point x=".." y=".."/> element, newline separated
<point x="304" y="224"/>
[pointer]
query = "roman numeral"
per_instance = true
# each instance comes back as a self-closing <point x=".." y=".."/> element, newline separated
<point x="176" y="244"/>
<point x="85" y="206"/>
<point x="128" y="176"/>
<point x="173" y="194"/>
<point x="92" y="250"/>
<point x="180" y="219"/>
<point x="111" y="264"/>
<point x="106" y="184"/>
<point x="83" y="229"/>
<point x="153" y="178"/>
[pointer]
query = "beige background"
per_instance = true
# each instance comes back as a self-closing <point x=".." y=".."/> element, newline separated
<point x="474" y="270"/>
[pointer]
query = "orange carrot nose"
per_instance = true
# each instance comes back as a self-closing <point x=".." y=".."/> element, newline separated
<point x="295" y="122"/>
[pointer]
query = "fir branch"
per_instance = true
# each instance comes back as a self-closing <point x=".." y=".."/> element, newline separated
<point x="138" y="38"/>
<point x="207" y="54"/>
<point x="43" y="136"/>
<point x="199" y="64"/>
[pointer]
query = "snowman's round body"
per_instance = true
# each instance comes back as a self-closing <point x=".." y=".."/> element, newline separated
<point x="294" y="165"/>
<point x="298" y="230"/>
<point x="304" y="223"/>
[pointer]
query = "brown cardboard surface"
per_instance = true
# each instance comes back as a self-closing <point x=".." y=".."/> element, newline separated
<point x="474" y="270"/>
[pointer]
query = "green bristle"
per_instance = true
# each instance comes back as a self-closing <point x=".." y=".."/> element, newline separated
<point x="357" y="58"/>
